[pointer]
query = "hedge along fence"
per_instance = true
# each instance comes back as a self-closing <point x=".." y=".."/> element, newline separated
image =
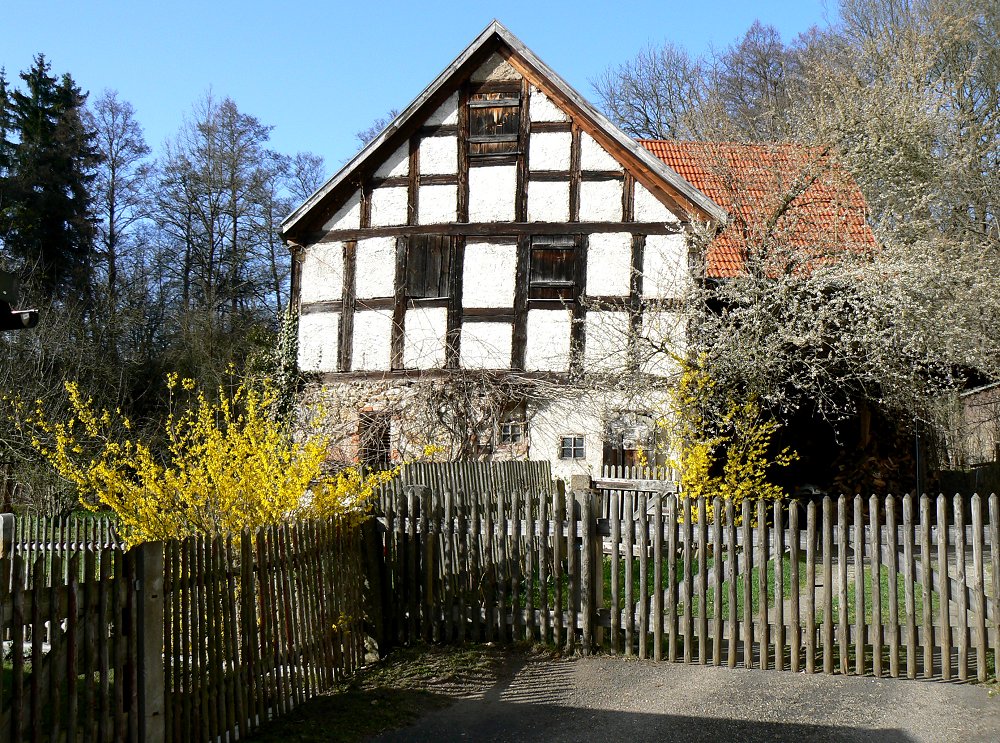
<point x="896" y="587"/>
<point x="200" y="639"/>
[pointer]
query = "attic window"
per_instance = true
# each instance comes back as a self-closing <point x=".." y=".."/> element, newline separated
<point x="428" y="266"/>
<point x="553" y="268"/>
<point x="494" y="123"/>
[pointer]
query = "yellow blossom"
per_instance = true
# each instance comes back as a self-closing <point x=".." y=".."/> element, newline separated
<point x="228" y="466"/>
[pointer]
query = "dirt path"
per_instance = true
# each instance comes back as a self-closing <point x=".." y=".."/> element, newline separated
<point x="535" y="698"/>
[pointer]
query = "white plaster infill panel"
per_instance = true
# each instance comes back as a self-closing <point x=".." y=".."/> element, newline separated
<point x="424" y="337"/>
<point x="661" y="330"/>
<point x="609" y="264"/>
<point x="665" y="271"/>
<point x="601" y="201"/>
<point x="549" y="151"/>
<point x="439" y="155"/>
<point x="372" y="343"/>
<point x="607" y="344"/>
<point x="486" y="345"/>
<point x="488" y="275"/>
<point x="319" y="341"/>
<point x="595" y="157"/>
<point x="548" y="342"/>
<point x="375" y="267"/>
<point x="322" y="273"/>
<point x="649" y="209"/>
<point x="397" y="164"/>
<point x="492" y="192"/>
<point x="548" y="201"/>
<point x="348" y="216"/>
<point x="389" y="206"/>
<point x="437" y="204"/>
<point x="541" y="107"/>
<point x="446" y="113"/>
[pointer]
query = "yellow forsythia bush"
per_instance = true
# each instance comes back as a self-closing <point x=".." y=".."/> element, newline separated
<point x="740" y="436"/>
<point x="228" y="465"/>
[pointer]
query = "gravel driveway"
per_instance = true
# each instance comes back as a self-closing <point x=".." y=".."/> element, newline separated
<point x="605" y="698"/>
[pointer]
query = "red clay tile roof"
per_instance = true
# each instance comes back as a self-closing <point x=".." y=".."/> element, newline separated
<point x="825" y="208"/>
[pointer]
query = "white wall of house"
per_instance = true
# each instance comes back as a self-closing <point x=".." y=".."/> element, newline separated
<point x="424" y="337"/>
<point x="486" y="345"/>
<point x="323" y="273"/>
<point x="548" y="346"/>
<point x="665" y="271"/>
<point x="397" y="164"/>
<point x="492" y="191"/>
<point x="550" y="151"/>
<point x="548" y="201"/>
<point x="376" y="260"/>
<point x="609" y="264"/>
<point x="372" y="340"/>
<point x="607" y="348"/>
<point x="436" y="204"/>
<point x="573" y="416"/>
<point x="348" y="216"/>
<point x="488" y="274"/>
<point x="319" y="341"/>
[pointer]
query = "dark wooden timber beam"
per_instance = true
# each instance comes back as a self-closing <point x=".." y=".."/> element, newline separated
<point x="347" y="315"/>
<point x="501" y="229"/>
<point x="421" y="374"/>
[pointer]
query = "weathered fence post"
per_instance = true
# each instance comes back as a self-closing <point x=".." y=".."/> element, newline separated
<point x="587" y="566"/>
<point x="149" y="645"/>
<point x="378" y="599"/>
<point x="6" y="534"/>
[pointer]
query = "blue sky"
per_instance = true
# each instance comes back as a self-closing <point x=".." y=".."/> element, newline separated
<point x="320" y="71"/>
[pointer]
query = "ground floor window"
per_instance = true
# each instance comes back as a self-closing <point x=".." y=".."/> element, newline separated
<point x="512" y="432"/>
<point x="571" y="447"/>
<point x="512" y="428"/>
<point x="373" y="440"/>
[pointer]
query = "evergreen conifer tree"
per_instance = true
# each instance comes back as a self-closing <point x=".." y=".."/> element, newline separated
<point x="47" y="160"/>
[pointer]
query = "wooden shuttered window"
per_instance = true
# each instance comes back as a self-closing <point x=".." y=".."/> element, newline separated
<point x="552" y="272"/>
<point x="494" y="123"/>
<point x="428" y="266"/>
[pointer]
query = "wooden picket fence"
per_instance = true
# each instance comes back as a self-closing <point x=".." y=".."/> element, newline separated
<point x="65" y="536"/>
<point x="781" y="585"/>
<point x="194" y="640"/>
<point x="70" y="647"/>
<point x="255" y="626"/>
<point x="653" y="481"/>
<point x="472" y="479"/>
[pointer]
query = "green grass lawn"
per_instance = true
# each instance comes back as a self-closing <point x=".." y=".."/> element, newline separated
<point x="710" y="594"/>
<point x="539" y="592"/>
<point x="918" y="599"/>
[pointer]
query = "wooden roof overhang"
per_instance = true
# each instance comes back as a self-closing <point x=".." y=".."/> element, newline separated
<point x="302" y="225"/>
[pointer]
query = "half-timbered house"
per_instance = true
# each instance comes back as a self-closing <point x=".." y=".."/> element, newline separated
<point x="500" y="230"/>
